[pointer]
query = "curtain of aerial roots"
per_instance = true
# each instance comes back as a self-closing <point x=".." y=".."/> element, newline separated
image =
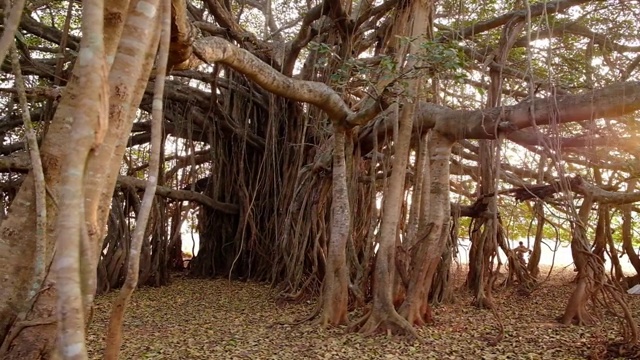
<point x="254" y="166"/>
<point x="116" y="244"/>
<point x="441" y="292"/>
<point x="364" y="220"/>
<point x="175" y="259"/>
<point x="592" y="281"/>
<point x="426" y="252"/>
<point x="304" y="248"/>
<point x="484" y="233"/>
<point x="538" y="210"/>
<point x="154" y="256"/>
<point x="487" y="233"/>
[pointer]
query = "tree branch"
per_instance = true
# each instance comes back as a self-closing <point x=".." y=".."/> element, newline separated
<point x="538" y="9"/>
<point x="184" y="195"/>
<point x="214" y="49"/>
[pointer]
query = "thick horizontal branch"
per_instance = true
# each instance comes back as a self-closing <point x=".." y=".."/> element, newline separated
<point x="531" y="137"/>
<point x="611" y="101"/>
<point x="213" y="49"/>
<point x="20" y="163"/>
<point x="17" y="162"/>
<point x="577" y="185"/>
<point x="49" y="33"/>
<point x="540" y="8"/>
<point x="604" y="196"/>
<point x="184" y="195"/>
<point x="560" y="29"/>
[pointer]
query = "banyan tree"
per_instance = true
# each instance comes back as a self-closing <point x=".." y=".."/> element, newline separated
<point x="338" y="150"/>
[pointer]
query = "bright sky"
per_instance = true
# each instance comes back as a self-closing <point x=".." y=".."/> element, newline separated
<point x="562" y="255"/>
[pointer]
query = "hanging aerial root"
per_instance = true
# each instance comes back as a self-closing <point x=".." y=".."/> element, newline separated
<point x="317" y="310"/>
<point x="301" y="294"/>
<point x="629" y="326"/>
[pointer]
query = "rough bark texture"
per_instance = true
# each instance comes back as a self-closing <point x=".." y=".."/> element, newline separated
<point x="383" y="315"/>
<point x="266" y="198"/>
<point x="128" y="73"/>
<point x="335" y="295"/>
<point x="114" y="330"/>
<point x="590" y="271"/>
<point x="427" y="252"/>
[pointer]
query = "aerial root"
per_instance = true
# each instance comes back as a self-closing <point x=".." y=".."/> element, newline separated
<point x="314" y="314"/>
<point x="374" y="322"/>
<point x="616" y="350"/>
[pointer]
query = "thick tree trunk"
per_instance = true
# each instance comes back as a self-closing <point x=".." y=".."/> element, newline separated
<point x="335" y="287"/>
<point x="114" y="329"/>
<point x="590" y="271"/>
<point x="411" y="233"/>
<point x="383" y="315"/>
<point x="576" y="310"/>
<point x="427" y="252"/>
<point x="129" y="72"/>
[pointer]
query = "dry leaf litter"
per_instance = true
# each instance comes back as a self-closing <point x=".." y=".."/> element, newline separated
<point x="221" y="319"/>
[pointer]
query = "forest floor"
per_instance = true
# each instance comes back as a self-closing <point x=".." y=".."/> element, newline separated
<point x="218" y="319"/>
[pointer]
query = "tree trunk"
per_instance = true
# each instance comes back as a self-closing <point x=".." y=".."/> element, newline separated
<point x="335" y="287"/>
<point x="411" y="233"/>
<point x="590" y="271"/>
<point x="383" y="316"/>
<point x="427" y="252"/>
<point x="534" y="259"/>
<point x="627" y="235"/>
<point x="114" y="328"/>
<point x="618" y="274"/>
<point x="128" y="72"/>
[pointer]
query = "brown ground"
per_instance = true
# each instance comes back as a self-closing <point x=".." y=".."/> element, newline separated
<point x="205" y="319"/>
